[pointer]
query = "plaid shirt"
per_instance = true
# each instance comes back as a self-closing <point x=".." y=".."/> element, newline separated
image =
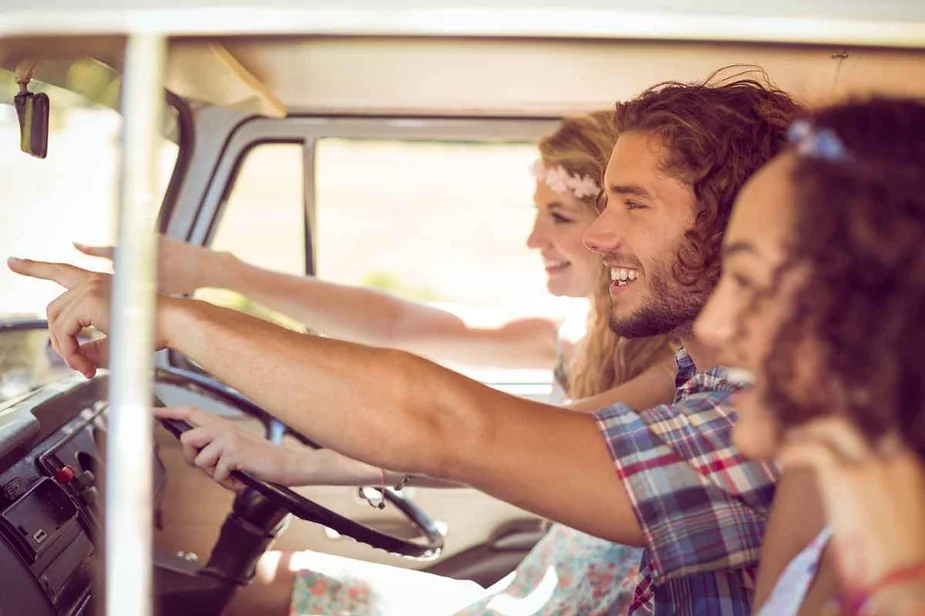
<point x="701" y="505"/>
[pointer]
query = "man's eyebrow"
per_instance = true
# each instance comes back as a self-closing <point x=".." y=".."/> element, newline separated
<point x="630" y="189"/>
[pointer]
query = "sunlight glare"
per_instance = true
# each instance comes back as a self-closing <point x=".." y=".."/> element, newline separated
<point x="506" y="605"/>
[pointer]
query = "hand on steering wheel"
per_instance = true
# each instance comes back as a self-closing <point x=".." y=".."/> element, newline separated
<point x="283" y="497"/>
<point x="218" y="447"/>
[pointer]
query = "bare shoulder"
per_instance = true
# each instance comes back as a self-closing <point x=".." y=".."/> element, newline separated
<point x="797" y="517"/>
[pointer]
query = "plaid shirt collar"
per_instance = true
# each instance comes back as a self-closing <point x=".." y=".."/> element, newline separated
<point x="708" y="384"/>
<point x="689" y="382"/>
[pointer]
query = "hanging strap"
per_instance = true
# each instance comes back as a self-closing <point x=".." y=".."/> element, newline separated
<point x="24" y="71"/>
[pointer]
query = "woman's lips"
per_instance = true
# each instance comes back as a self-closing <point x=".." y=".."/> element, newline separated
<point x="553" y="267"/>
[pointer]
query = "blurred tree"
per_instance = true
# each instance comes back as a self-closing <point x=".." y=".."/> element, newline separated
<point x="392" y="283"/>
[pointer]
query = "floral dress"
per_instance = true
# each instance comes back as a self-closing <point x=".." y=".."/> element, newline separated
<point x="568" y="573"/>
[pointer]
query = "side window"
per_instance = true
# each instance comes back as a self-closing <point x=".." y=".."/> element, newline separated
<point x="72" y="195"/>
<point x="263" y="221"/>
<point x="439" y="222"/>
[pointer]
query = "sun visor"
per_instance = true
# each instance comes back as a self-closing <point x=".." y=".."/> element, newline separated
<point x="207" y="72"/>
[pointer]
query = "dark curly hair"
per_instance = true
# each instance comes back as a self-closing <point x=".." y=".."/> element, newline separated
<point x="718" y="133"/>
<point x="860" y="229"/>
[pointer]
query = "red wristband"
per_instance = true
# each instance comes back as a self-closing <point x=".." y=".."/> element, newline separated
<point x="858" y="601"/>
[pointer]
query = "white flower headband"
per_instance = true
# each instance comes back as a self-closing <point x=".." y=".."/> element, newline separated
<point x="562" y="181"/>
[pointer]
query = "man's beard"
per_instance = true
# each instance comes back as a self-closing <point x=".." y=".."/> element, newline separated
<point x="672" y="307"/>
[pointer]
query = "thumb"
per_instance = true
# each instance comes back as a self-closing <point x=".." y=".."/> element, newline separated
<point x="230" y="483"/>
<point x="97" y="351"/>
<point x="105" y="252"/>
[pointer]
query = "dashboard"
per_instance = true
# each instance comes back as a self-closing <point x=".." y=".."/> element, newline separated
<point x="52" y="446"/>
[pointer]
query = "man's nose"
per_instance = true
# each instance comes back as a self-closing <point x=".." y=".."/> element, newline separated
<point x="603" y="235"/>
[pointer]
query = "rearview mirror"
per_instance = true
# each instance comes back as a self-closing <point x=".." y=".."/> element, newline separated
<point x="33" y="112"/>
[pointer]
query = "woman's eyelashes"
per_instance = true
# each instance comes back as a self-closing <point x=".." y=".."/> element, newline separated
<point x="742" y="281"/>
<point x="561" y="219"/>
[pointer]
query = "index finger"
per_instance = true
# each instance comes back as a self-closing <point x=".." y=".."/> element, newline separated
<point x="64" y="274"/>
<point x="105" y="252"/>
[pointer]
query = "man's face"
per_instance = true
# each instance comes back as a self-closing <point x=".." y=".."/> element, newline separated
<point x="639" y="235"/>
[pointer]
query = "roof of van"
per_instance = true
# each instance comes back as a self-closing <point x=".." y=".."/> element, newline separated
<point x="896" y="23"/>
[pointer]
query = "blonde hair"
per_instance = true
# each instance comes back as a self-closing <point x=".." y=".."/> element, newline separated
<point x="601" y="359"/>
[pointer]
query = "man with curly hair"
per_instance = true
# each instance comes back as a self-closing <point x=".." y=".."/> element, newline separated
<point x="667" y="479"/>
<point x="683" y="154"/>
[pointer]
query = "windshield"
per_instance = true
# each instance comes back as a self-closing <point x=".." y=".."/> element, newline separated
<point x="72" y="194"/>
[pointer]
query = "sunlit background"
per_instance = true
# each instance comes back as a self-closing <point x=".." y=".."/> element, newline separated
<point x="438" y="222"/>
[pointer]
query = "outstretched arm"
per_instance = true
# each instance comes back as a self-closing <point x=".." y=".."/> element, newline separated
<point x="395" y="410"/>
<point x="384" y="407"/>
<point x="653" y="387"/>
<point x="355" y="314"/>
<point x="243" y="451"/>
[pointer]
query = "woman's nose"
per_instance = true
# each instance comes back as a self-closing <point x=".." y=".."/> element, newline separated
<point x="537" y="238"/>
<point x="714" y="327"/>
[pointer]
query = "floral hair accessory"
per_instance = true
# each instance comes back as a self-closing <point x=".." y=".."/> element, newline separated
<point x="560" y="180"/>
<point x="814" y="142"/>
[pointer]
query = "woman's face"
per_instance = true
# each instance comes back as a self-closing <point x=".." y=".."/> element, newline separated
<point x="747" y="308"/>
<point x="561" y="219"/>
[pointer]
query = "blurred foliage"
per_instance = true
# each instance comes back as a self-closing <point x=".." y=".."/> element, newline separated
<point x="383" y="281"/>
<point x="24" y="362"/>
<point x="393" y="284"/>
<point x="85" y="83"/>
<point x="236" y="301"/>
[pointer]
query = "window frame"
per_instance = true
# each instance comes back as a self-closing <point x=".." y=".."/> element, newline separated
<point x="206" y="189"/>
<point x="185" y="147"/>
<point x="198" y="225"/>
<point x="211" y="225"/>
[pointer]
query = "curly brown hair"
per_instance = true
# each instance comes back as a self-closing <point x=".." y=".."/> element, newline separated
<point x="860" y="229"/>
<point x="601" y="359"/>
<point x="718" y="132"/>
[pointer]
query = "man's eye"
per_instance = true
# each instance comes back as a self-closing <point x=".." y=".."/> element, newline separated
<point x="635" y="205"/>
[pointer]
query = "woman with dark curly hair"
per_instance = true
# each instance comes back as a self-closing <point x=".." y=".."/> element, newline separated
<point x="821" y="304"/>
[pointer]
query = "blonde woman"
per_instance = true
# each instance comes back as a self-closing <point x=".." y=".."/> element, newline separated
<point x="599" y="369"/>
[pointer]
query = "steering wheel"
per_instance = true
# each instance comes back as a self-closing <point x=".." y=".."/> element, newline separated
<point x="295" y="503"/>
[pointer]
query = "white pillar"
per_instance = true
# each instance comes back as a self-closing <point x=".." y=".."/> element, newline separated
<point x="129" y="466"/>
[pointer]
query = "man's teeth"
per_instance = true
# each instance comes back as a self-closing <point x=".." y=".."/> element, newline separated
<point x="622" y="276"/>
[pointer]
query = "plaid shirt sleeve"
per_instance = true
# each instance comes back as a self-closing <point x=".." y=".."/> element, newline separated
<point x="701" y="505"/>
